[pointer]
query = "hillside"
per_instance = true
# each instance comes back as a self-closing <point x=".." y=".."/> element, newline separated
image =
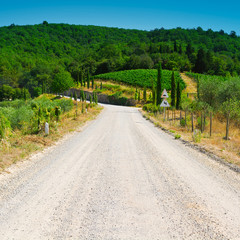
<point x="33" y="54"/>
<point x="142" y="77"/>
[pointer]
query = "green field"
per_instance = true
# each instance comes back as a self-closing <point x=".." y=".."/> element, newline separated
<point x="142" y="77"/>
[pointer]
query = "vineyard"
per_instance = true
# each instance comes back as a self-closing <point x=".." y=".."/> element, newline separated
<point x="142" y="77"/>
<point x="206" y="77"/>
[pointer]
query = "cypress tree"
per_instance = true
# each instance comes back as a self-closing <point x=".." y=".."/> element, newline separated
<point x="75" y="96"/>
<point x="139" y="95"/>
<point x="136" y="94"/>
<point x="178" y="95"/>
<point x="198" y="88"/>
<point x="92" y="82"/>
<point x="201" y="62"/>
<point x="180" y="49"/>
<point x="81" y="77"/>
<point x="159" y="84"/>
<point x="189" y="50"/>
<point x="153" y="95"/>
<point x="88" y="79"/>
<point x="145" y="94"/>
<point x="173" y="90"/>
<point x="175" y="46"/>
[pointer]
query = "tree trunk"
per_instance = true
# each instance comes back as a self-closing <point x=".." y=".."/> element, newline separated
<point x="192" y="123"/>
<point x="210" y="124"/>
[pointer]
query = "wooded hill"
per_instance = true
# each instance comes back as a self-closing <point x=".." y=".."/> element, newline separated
<point x="31" y="55"/>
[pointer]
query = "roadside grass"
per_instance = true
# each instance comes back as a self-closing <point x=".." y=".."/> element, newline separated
<point x="18" y="146"/>
<point x="112" y="87"/>
<point x="229" y="150"/>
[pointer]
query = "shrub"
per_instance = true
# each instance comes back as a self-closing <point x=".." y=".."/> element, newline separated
<point x="4" y="126"/>
<point x="177" y="136"/>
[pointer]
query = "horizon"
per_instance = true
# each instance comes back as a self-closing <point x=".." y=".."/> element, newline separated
<point x="148" y="30"/>
<point x="125" y="14"/>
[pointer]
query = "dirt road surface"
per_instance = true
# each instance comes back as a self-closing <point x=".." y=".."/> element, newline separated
<point x="120" y="178"/>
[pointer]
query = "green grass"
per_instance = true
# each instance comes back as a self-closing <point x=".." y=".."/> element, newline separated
<point x="142" y="77"/>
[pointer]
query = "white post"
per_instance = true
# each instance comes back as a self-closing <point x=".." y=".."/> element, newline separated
<point x="46" y="128"/>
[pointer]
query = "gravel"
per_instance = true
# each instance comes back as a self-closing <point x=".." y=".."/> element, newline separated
<point x="120" y="178"/>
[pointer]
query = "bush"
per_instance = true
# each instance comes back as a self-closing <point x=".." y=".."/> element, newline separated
<point x="150" y="108"/>
<point x="65" y="104"/>
<point x="4" y="126"/>
<point x="177" y="136"/>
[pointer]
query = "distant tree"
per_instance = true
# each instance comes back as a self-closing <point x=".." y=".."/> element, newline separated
<point x="189" y="50"/>
<point x="173" y="90"/>
<point x="180" y="49"/>
<point x="159" y="84"/>
<point x="201" y="62"/>
<point x="145" y="94"/>
<point x="175" y="46"/>
<point x="233" y="34"/>
<point x="62" y="82"/>
<point x="179" y="92"/>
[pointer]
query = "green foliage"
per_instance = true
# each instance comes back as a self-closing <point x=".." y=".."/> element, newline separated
<point x="142" y="77"/>
<point x="30" y="115"/>
<point x="182" y="122"/>
<point x="4" y="125"/>
<point x="31" y="56"/>
<point x="197" y="135"/>
<point x="150" y="108"/>
<point x="62" y="82"/>
<point x="231" y="108"/>
<point x="177" y="136"/>
<point x="215" y="90"/>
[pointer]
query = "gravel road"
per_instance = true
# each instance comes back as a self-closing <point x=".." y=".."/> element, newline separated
<point x="120" y="178"/>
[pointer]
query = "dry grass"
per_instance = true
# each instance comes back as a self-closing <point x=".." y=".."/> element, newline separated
<point x="216" y="144"/>
<point x="19" y="146"/>
<point x="128" y="91"/>
<point x="190" y="83"/>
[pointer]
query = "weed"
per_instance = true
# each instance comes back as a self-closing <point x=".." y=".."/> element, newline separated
<point x="177" y="136"/>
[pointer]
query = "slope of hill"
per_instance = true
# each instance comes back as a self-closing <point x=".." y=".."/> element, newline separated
<point x="29" y="54"/>
<point x="142" y="77"/>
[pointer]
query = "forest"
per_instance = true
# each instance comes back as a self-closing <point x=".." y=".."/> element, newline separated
<point x="32" y="56"/>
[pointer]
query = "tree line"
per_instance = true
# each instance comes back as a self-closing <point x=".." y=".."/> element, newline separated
<point x="31" y="56"/>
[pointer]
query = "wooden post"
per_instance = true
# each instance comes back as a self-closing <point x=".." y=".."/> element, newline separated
<point x="185" y="117"/>
<point x="210" y="124"/>
<point x="192" y="123"/>
<point x="227" y="127"/>
<point x="180" y="116"/>
<point x="204" y="122"/>
<point x="168" y="114"/>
